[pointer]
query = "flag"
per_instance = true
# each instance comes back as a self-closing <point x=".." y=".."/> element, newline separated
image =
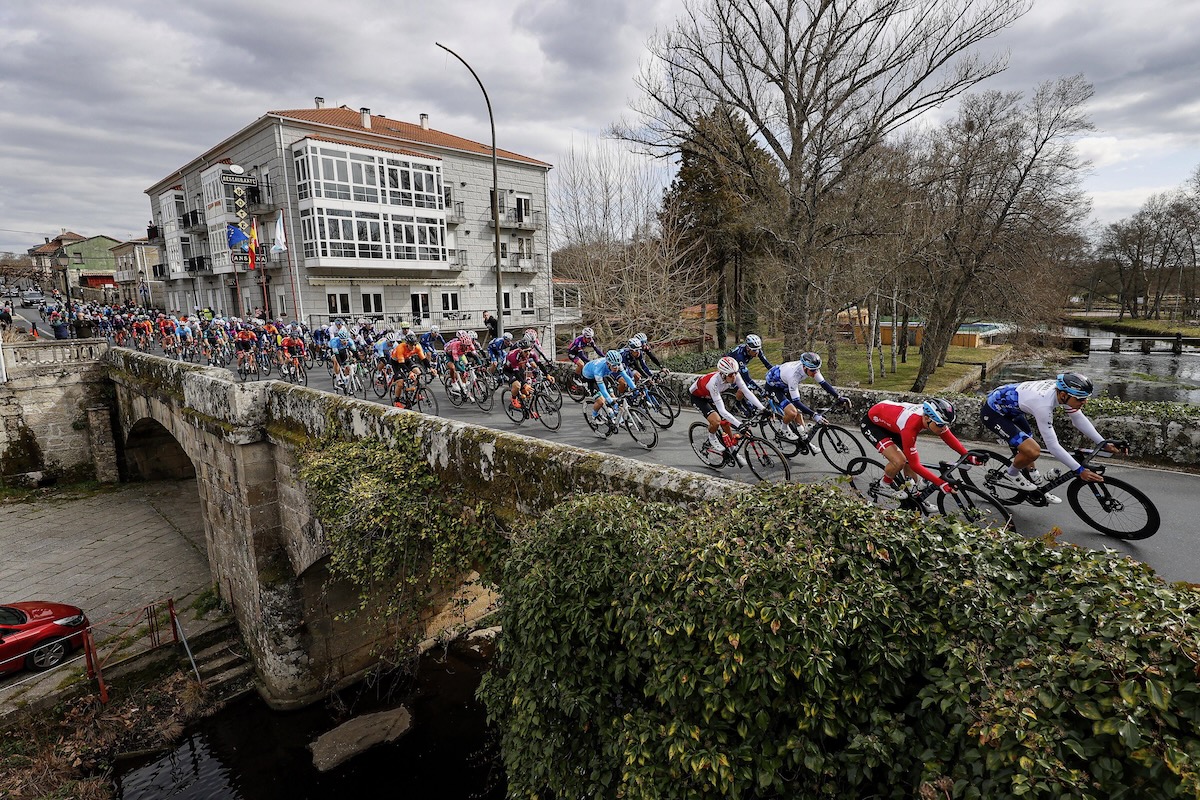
<point x="280" y="242"/>
<point x="253" y="241"/>
<point x="236" y="236"/>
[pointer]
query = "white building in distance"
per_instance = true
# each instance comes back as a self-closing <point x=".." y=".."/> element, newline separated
<point x="381" y="219"/>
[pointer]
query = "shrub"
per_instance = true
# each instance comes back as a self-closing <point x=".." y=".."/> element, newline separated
<point x="791" y="642"/>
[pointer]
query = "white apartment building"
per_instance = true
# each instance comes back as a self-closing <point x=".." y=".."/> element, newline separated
<point x="381" y="219"/>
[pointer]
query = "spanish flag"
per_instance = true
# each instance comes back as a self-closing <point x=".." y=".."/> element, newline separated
<point x="253" y="241"/>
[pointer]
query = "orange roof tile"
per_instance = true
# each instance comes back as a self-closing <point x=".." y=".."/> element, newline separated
<point x="372" y="147"/>
<point x="349" y="119"/>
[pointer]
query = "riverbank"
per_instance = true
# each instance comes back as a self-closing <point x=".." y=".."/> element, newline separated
<point x="1138" y="327"/>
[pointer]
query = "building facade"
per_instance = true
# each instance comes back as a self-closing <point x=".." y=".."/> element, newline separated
<point x="379" y="218"/>
<point x="64" y="261"/>
<point x="139" y="273"/>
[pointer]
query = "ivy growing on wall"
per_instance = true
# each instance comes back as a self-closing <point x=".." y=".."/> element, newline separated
<point x="396" y="531"/>
<point x="791" y="642"/>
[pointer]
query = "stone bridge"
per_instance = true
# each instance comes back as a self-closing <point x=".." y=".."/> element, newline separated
<point x="267" y="551"/>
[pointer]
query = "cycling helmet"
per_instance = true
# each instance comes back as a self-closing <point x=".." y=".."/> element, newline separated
<point x="810" y="360"/>
<point x="940" y="411"/>
<point x="635" y="343"/>
<point x="405" y="326"/>
<point x="643" y="337"/>
<point x="530" y="335"/>
<point x="508" y="336"/>
<point x="754" y="342"/>
<point x="613" y="357"/>
<point x="587" y="333"/>
<point x="344" y="335"/>
<point x="727" y="365"/>
<point x="462" y="336"/>
<point x="473" y="336"/>
<point x="393" y="337"/>
<point x="525" y="344"/>
<point x="411" y="337"/>
<point x="434" y="328"/>
<point x="1074" y="384"/>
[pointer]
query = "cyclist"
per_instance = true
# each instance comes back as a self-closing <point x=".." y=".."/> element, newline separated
<point x="575" y="351"/>
<point x="342" y="346"/>
<point x="514" y="366"/>
<point x="498" y="348"/>
<point x="1004" y="413"/>
<point x="183" y="333"/>
<point x="648" y="352"/>
<point x="893" y="428"/>
<point x="783" y="382"/>
<point x="594" y="372"/>
<point x="244" y="342"/>
<point x="743" y="354"/>
<point x="405" y="356"/>
<point x="705" y="394"/>
<point x="292" y="348"/>
<point x="431" y="340"/>
<point x="458" y="350"/>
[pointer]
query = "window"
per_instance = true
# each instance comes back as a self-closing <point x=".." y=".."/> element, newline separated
<point x="566" y="296"/>
<point x="527" y="301"/>
<point x="364" y="178"/>
<point x="334" y="175"/>
<point x="372" y="301"/>
<point x="420" y="305"/>
<point x="524" y="207"/>
<point x="507" y="304"/>
<point x="338" y="303"/>
<point x="524" y="246"/>
<point x="449" y="301"/>
<point x="281" y="304"/>
<point x="491" y="195"/>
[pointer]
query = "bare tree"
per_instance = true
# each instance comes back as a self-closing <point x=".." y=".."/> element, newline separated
<point x="821" y="83"/>
<point x="1003" y="187"/>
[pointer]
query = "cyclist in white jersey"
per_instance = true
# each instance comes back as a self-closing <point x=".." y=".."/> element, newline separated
<point x="1004" y="413"/>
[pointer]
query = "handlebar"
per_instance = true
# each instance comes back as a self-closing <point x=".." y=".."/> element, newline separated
<point x="963" y="463"/>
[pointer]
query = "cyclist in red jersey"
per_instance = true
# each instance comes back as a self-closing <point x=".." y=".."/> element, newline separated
<point x="893" y="428"/>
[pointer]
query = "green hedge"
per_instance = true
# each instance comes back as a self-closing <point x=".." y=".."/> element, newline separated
<point x="791" y="642"/>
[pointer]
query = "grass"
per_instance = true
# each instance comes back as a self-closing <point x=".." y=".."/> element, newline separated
<point x="852" y="366"/>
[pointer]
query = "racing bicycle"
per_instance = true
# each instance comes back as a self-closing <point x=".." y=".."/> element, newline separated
<point x="743" y="449"/>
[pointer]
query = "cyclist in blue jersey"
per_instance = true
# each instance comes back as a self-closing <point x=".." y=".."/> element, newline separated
<point x="594" y="372"/>
<point x="432" y="340"/>
<point x="342" y="346"/>
<point x="498" y="348"/>
<point x="783" y="382"/>
<point x="647" y="352"/>
<point x="743" y="354"/>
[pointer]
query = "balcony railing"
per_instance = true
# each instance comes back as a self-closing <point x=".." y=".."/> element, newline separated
<point x="153" y="234"/>
<point x="517" y="220"/>
<point x="161" y="271"/>
<point x="522" y="262"/>
<point x="192" y="220"/>
<point x="458" y="258"/>
<point x="260" y="199"/>
<point x="198" y="264"/>
<point x="455" y="215"/>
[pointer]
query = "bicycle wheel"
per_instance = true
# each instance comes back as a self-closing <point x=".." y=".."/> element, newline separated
<point x="301" y="374"/>
<point x="265" y="364"/>
<point x="454" y="392"/>
<point x="424" y="401"/>
<point x="640" y="428"/>
<point x="865" y="476"/>
<point x="783" y="436"/>
<point x="482" y="394"/>
<point x="577" y="390"/>
<point x="551" y="393"/>
<point x="243" y="371"/>
<point x="381" y="380"/>
<point x="976" y="507"/>
<point x="765" y="460"/>
<point x="839" y="446"/>
<point x="517" y="415"/>
<point x="709" y="456"/>
<point x="658" y="410"/>
<point x="1114" y="508"/>
<point x="546" y="412"/>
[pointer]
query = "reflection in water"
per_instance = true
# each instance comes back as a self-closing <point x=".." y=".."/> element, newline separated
<point x="248" y="752"/>
<point x="1130" y="375"/>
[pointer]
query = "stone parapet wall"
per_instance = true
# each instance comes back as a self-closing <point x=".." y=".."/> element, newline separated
<point x="50" y="425"/>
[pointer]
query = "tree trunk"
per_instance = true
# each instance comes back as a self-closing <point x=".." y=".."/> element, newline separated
<point x="721" y="304"/>
<point x="904" y="337"/>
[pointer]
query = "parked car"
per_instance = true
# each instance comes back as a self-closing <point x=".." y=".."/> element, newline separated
<point x="31" y="298"/>
<point x="39" y="634"/>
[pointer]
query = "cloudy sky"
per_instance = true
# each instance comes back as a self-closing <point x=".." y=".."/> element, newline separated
<point x="101" y="98"/>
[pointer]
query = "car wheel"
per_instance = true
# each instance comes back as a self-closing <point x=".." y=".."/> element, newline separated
<point x="48" y="655"/>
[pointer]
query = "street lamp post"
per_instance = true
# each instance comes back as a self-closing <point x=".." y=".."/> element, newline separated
<point x="495" y="192"/>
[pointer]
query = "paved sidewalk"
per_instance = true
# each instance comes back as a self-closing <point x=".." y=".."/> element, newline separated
<point x="109" y="553"/>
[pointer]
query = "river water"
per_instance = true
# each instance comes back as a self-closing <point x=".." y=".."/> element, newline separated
<point x="1127" y="375"/>
<point x="249" y="752"/>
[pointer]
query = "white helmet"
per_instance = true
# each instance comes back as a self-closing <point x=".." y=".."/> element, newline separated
<point x="433" y="329"/>
<point x="753" y="342"/>
<point x="587" y="333"/>
<point x="393" y="337"/>
<point x="727" y="365"/>
<point x="463" y="336"/>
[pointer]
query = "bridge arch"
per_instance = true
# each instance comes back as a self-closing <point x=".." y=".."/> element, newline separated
<point x="153" y="453"/>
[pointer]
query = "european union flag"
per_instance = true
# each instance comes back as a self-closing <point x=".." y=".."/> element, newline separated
<point x="238" y="240"/>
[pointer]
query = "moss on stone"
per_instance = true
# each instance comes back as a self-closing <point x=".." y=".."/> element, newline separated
<point x="22" y="455"/>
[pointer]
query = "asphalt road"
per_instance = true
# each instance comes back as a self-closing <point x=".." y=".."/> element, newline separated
<point x="1172" y="552"/>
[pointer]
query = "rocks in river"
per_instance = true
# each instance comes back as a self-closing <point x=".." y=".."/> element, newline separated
<point x="347" y="740"/>
<point x="479" y="645"/>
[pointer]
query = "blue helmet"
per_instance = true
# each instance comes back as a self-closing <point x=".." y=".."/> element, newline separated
<point x="613" y="357"/>
<point x="940" y="411"/>
<point x="810" y="360"/>
<point x="1074" y="384"/>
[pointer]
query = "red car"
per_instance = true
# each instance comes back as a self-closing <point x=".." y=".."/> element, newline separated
<point x="38" y="634"/>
